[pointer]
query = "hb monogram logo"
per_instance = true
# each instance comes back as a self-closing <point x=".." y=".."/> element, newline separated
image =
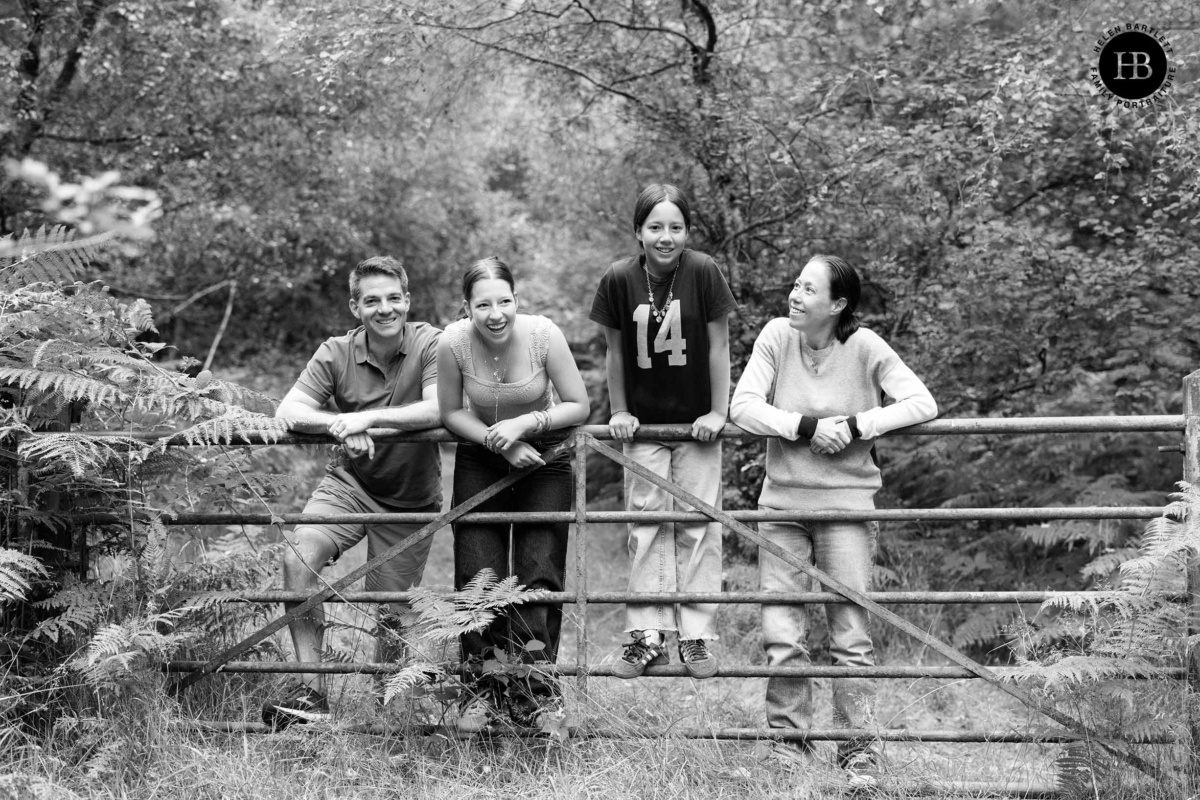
<point x="1133" y="64"/>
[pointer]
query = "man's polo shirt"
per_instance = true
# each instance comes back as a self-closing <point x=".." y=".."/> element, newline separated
<point x="342" y="369"/>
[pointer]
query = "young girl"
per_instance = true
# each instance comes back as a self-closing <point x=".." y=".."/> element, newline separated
<point x="496" y="373"/>
<point x="814" y="382"/>
<point x="665" y="317"/>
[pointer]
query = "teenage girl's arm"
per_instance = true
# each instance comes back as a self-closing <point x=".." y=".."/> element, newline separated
<point x="573" y="410"/>
<point x="621" y="424"/>
<point x="462" y="422"/>
<point x="709" y="426"/>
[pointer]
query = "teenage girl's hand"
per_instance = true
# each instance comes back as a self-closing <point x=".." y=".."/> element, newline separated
<point x="522" y="454"/>
<point x="622" y="425"/>
<point x="504" y="434"/>
<point x="358" y="444"/>
<point x="832" y="435"/>
<point x="708" y="427"/>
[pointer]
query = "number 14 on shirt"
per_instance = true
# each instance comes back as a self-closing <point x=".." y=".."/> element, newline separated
<point x="669" y="339"/>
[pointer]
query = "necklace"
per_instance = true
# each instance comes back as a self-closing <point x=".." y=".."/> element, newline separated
<point x="499" y="370"/>
<point x="816" y="358"/>
<point x="658" y="315"/>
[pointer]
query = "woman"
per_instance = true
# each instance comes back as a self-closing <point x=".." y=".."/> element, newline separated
<point x="814" y="382"/>
<point x="497" y="374"/>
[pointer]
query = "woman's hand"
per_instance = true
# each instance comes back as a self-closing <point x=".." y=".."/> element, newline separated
<point x="708" y="427"/>
<point x="521" y="454"/>
<point x="505" y="433"/>
<point x="622" y="425"/>
<point x="832" y="435"/>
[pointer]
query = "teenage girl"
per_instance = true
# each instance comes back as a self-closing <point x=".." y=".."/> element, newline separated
<point x="497" y="374"/>
<point x="665" y="317"/>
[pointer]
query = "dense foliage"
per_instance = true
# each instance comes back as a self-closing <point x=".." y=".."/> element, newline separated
<point x="1030" y="248"/>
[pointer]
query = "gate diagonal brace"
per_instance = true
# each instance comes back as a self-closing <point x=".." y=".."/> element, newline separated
<point x="870" y="605"/>
<point x="218" y="661"/>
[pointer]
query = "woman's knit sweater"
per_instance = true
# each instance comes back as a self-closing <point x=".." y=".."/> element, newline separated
<point x="786" y="380"/>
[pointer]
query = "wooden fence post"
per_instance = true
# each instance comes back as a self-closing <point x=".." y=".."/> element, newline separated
<point x="1191" y="474"/>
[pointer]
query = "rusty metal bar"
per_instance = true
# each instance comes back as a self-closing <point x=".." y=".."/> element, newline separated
<point x="906" y="672"/>
<point x="782" y="598"/>
<point x="581" y="542"/>
<point x="879" y="611"/>
<point x="880" y="515"/>
<point x="722" y="734"/>
<point x="1161" y="423"/>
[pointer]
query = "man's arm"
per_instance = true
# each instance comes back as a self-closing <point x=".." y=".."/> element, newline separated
<point x="304" y="414"/>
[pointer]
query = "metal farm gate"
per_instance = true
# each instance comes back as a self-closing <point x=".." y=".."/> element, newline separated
<point x="588" y="441"/>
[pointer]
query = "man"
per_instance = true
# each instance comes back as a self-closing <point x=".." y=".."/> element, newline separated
<point x="382" y="374"/>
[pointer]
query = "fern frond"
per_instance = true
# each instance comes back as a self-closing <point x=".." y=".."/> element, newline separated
<point x="16" y="571"/>
<point x="413" y="675"/>
<point x="1082" y="769"/>
<point x="335" y="655"/>
<point x="49" y="255"/>
<point x="67" y="385"/>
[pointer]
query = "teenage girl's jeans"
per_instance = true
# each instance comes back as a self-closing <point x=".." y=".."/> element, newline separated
<point x="842" y="550"/>
<point x="674" y="556"/>
<point x="538" y="554"/>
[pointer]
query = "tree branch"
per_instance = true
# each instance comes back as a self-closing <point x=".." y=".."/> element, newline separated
<point x="556" y="65"/>
<point x="212" y="349"/>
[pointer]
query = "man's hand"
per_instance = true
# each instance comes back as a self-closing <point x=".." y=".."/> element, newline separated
<point x="345" y="425"/>
<point x="358" y="444"/>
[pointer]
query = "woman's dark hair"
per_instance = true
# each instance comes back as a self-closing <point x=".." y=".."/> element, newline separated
<point x="843" y="283"/>
<point x="657" y="193"/>
<point x="486" y="269"/>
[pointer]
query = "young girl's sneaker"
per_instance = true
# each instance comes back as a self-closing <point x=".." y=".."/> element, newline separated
<point x="638" y="655"/>
<point x="694" y="654"/>
<point x="301" y="705"/>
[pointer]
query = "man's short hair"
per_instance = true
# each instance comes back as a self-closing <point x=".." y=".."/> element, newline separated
<point x="377" y="265"/>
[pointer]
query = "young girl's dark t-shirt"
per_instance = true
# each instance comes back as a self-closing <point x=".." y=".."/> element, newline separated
<point x="666" y="364"/>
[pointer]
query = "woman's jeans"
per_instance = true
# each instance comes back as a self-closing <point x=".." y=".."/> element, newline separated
<point x="674" y="556"/>
<point x="538" y="553"/>
<point x="844" y="551"/>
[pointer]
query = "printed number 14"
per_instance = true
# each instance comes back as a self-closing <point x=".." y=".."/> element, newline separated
<point x="669" y="339"/>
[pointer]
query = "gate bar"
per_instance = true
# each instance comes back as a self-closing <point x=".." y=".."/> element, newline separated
<point x="734" y="734"/>
<point x="780" y="598"/>
<point x="1153" y="423"/>
<point x="878" y="515"/>
<point x="671" y="671"/>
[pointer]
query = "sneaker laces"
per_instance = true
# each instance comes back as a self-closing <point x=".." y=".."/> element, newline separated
<point x="639" y="651"/>
<point x="693" y="650"/>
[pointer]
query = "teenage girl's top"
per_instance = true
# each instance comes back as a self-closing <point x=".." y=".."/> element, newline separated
<point x="666" y="362"/>
<point x="491" y="400"/>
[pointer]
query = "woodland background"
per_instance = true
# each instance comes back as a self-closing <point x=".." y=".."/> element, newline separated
<point x="1029" y="248"/>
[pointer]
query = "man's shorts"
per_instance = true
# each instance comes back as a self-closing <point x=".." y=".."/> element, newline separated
<point x="339" y="493"/>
